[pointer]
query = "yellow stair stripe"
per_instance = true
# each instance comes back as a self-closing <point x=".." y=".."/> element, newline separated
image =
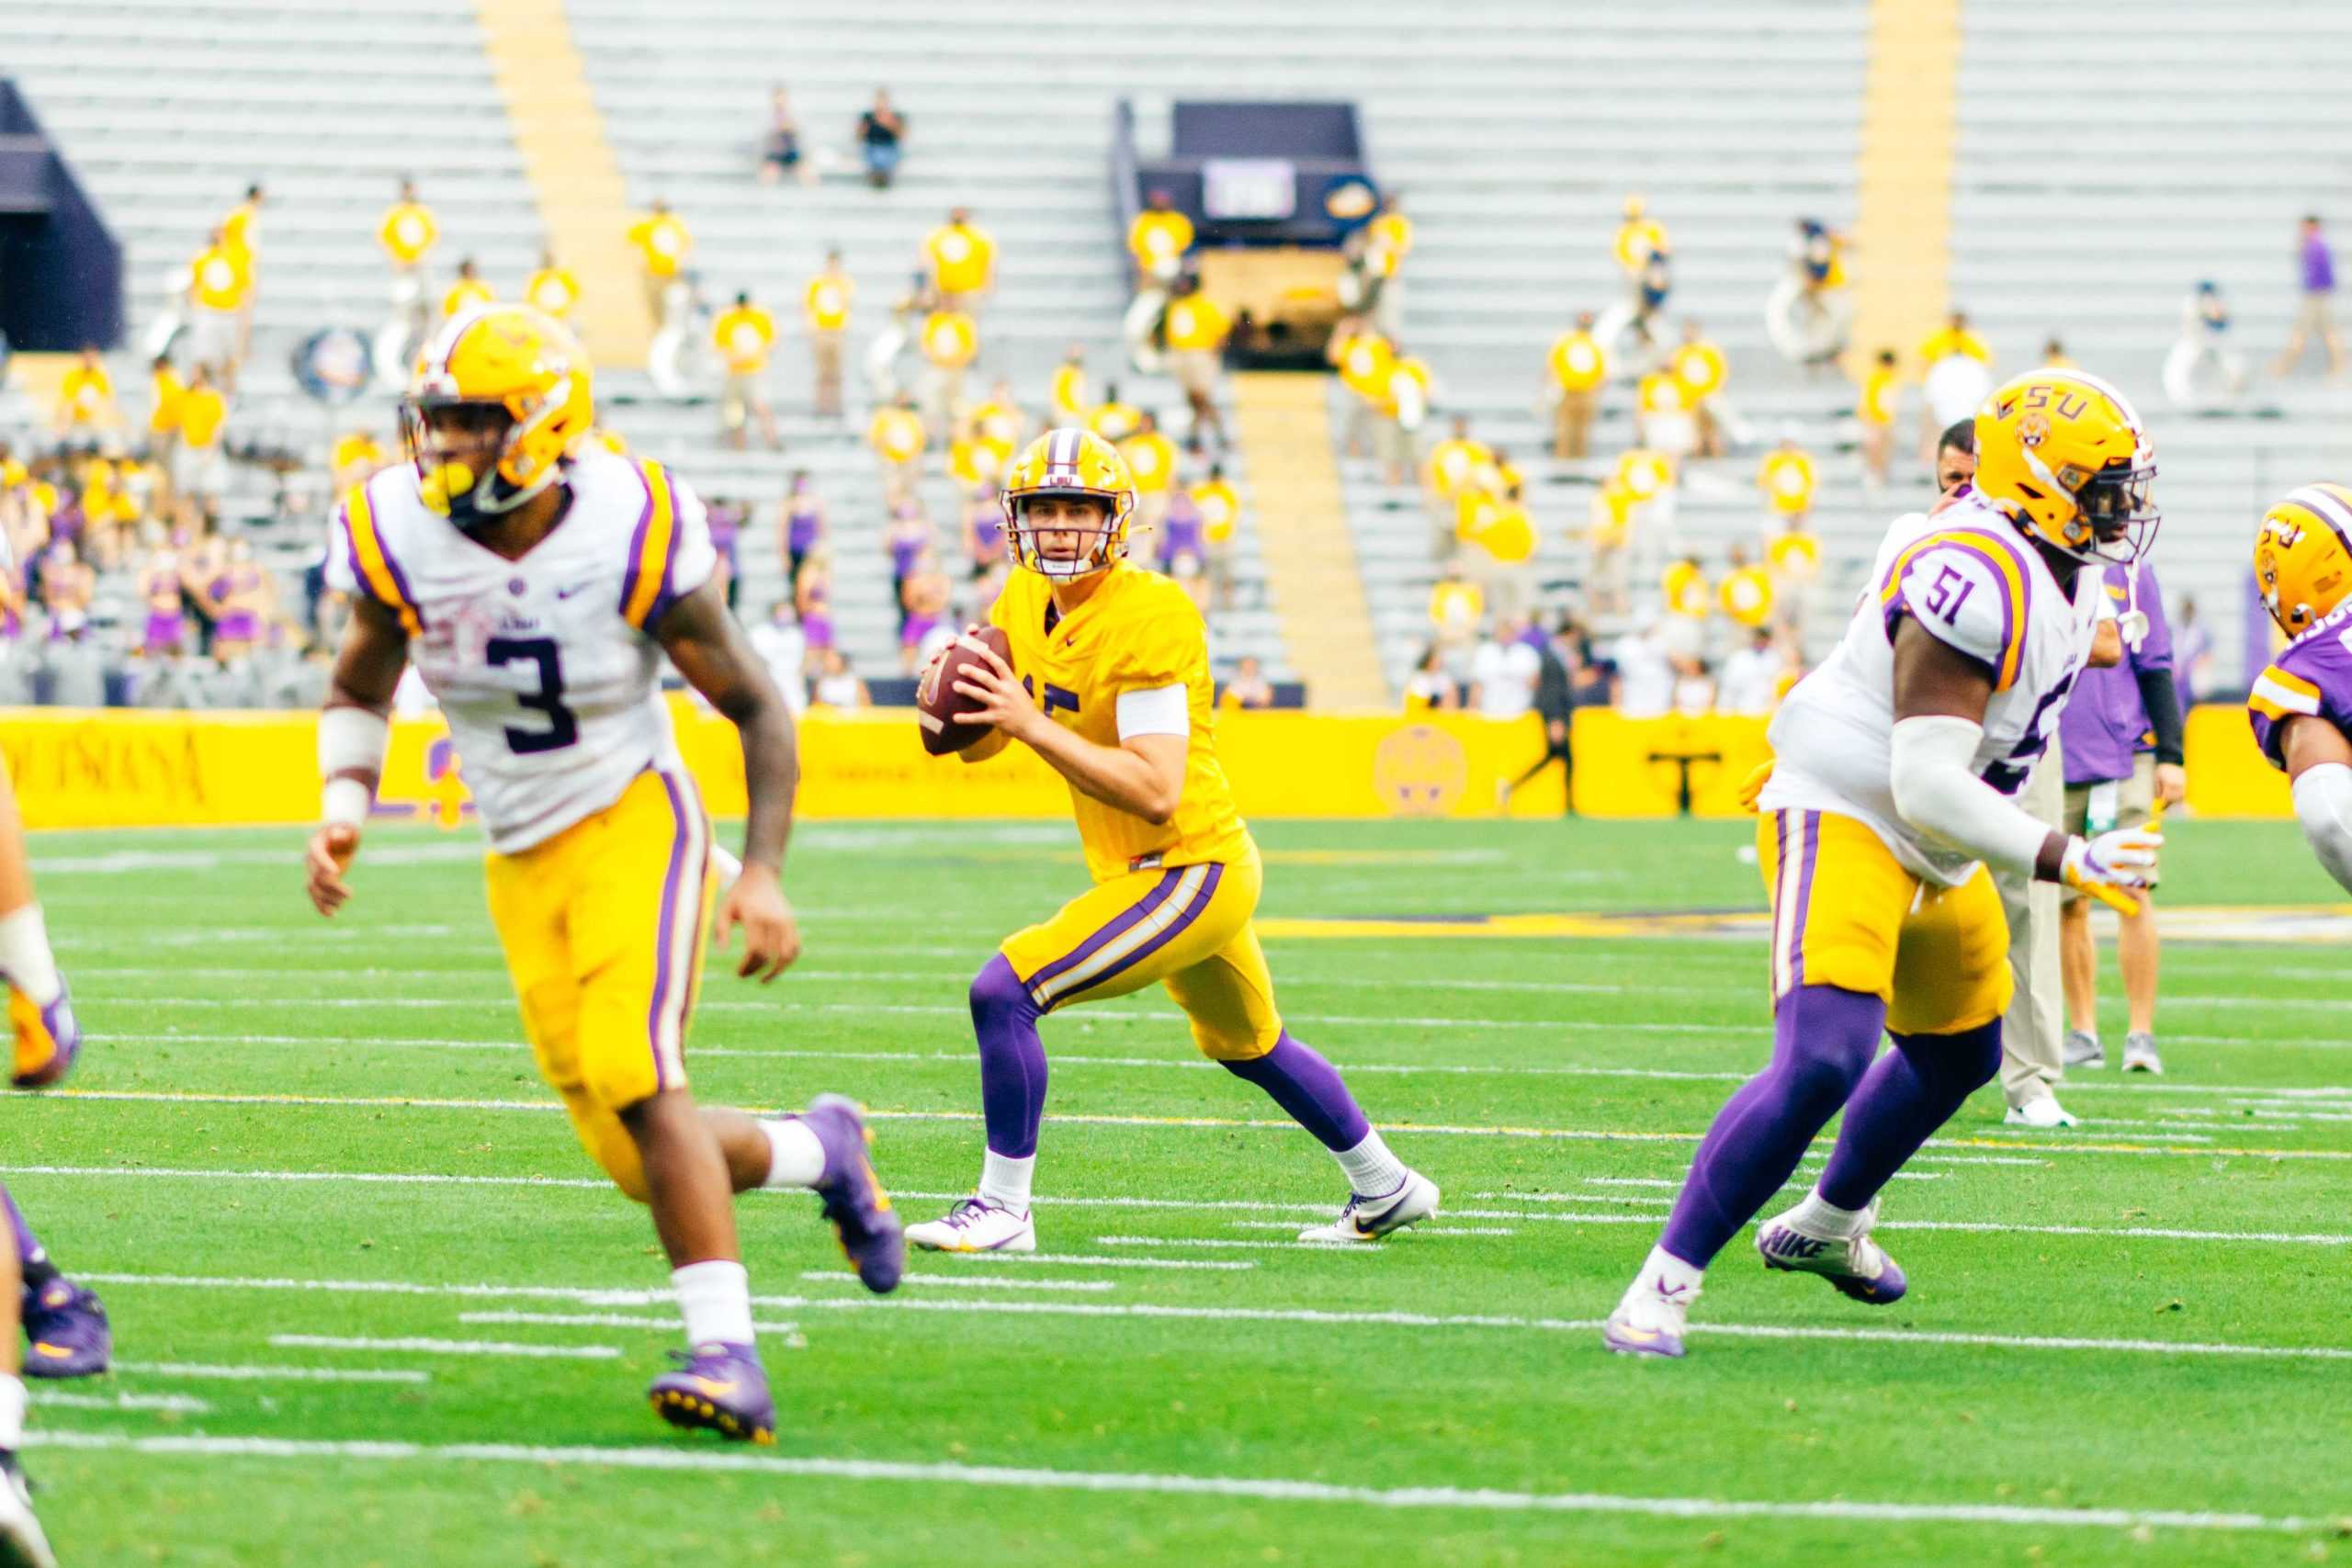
<point x="1285" y="433"/>
<point x="572" y="170"/>
<point x="1903" y="176"/>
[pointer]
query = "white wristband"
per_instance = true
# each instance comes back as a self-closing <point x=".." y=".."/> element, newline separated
<point x="350" y="761"/>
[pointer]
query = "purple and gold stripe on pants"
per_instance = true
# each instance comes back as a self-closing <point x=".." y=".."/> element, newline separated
<point x="678" y="940"/>
<point x="1797" y="842"/>
<point x="1145" y="927"/>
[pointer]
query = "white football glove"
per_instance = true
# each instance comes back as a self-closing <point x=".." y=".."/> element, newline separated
<point x="2113" y="864"/>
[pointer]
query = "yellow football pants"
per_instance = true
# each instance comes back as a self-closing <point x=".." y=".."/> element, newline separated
<point x="1186" y="927"/>
<point x="1845" y="913"/>
<point x="603" y="927"/>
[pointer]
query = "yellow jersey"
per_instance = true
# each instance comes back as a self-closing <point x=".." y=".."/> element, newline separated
<point x="203" y="410"/>
<point x="897" y="434"/>
<point x="1577" y="362"/>
<point x="1220" y="510"/>
<point x="1364" y="360"/>
<point x="1409" y="375"/>
<point x="224" y="278"/>
<point x="977" y="459"/>
<point x="961" y="258"/>
<point x="84" y="392"/>
<point x="552" y="290"/>
<point x="1152" y="462"/>
<point x="661" y="243"/>
<point x="1157" y="238"/>
<point x="464" y="292"/>
<point x="1639" y="239"/>
<point x="1700" y="367"/>
<point x="949" y="339"/>
<point x="1660" y="392"/>
<point x="356" y="449"/>
<point x="1786" y="481"/>
<point x="1881" y="390"/>
<point x="826" y="302"/>
<point x="1746" y="595"/>
<point x="1686" y="590"/>
<point x="1457" y="607"/>
<point x="169" y="390"/>
<point x="408" y="231"/>
<point x="1139" y="632"/>
<point x="1393" y="233"/>
<point x="1000" y="422"/>
<point x="238" y="231"/>
<point x="1643" y="473"/>
<point x="1610" y="516"/>
<point x="1069" y="394"/>
<point x="1508" y="534"/>
<point x="1945" y="341"/>
<point x="1197" y="321"/>
<point x="743" y="334"/>
<point x="1795" y="554"/>
<point x="1451" y="462"/>
<point x="1113" y="421"/>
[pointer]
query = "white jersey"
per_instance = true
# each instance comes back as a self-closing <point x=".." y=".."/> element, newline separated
<point x="544" y="666"/>
<point x="1973" y="581"/>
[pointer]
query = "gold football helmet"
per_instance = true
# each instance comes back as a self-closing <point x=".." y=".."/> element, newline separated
<point x="1070" y="462"/>
<point x="513" y="372"/>
<point x="2302" y="556"/>
<point x="2063" y="454"/>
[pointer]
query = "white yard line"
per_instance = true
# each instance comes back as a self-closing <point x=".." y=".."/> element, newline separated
<point x="1437" y="1229"/>
<point x="1082" y="1260"/>
<point x="1462" y="1320"/>
<point x="1256" y="1488"/>
<point x="968" y="1282"/>
<point x="174" y="1404"/>
<point x="448" y="1347"/>
<point x="242" y="1374"/>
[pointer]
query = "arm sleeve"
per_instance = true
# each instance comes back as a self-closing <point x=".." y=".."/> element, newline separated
<point x="2161" y="704"/>
<point x="2323" y="806"/>
<point x="1936" y="792"/>
<point x="1153" y="710"/>
<point x="1971" y="597"/>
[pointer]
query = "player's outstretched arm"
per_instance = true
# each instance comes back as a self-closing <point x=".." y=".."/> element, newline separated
<point x="1143" y="776"/>
<point x="353" y="730"/>
<point x="711" y="651"/>
<point x="1940" y="699"/>
<point x="2319" y="764"/>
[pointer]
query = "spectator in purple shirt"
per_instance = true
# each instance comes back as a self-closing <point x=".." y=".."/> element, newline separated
<point x="2316" y="314"/>
<point x="2120" y="737"/>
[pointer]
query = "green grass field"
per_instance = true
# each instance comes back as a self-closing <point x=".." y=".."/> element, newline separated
<point x="2126" y="1344"/>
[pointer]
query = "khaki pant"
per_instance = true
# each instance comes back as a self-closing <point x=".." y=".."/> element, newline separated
<point x="1572" y="427"/>
<point x="825" y="348"/>
<point x="2033" y="1030"/>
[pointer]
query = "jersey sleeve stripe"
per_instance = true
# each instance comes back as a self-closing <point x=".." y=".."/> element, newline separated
<point x="649" y="548"/>
<point x="2005" y="564"/>
<point x="2284" y="692"/>
<point x="373" y="565"/>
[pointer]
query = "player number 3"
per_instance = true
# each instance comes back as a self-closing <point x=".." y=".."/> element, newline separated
<point x="563" y="729"/>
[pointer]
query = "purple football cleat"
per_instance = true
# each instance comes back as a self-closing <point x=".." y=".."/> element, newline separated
<point x="47" y="1039"/>
<point x="1857" y="1266"/>
<point x="872" y="1238"/>
<point x="65" y="1332"/>
<point x="718" y="1387"/>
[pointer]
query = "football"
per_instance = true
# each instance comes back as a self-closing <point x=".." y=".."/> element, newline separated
<point x="937" y="702"/>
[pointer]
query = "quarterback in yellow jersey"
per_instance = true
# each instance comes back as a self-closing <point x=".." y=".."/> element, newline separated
<point x="1109" y="682"/>
<point x="537" y="580"/>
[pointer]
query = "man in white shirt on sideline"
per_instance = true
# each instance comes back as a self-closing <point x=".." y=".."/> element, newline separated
<point x="1503" y="671"/>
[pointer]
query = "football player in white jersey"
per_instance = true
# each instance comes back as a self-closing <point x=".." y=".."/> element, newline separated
<point x="1896" y="766"/>
<point x="536" y="580"/>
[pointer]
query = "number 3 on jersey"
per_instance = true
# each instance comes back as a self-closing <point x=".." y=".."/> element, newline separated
<point x="562" y="728"/>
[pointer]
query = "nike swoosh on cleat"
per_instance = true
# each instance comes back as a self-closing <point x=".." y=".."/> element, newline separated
<point x="46" y="1348"/>
<point x="715" y="1390"/>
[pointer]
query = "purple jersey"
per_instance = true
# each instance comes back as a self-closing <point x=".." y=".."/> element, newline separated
<point x="905" y="549"/>
<point x="2319" y="266"/>
<point x="801" y="529"/>
<point x="2105" y="724"/>
<point x="1180" y="531"/>
<point x="2312" y="676"/>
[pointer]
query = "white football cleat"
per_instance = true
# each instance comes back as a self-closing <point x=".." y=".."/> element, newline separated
<point x="1369" y="1219"/>
<point x="2042" y="1111"/>
<point x="2139" y="1053"/>
<point x="1650" y="1321"/>
<point x="22" y="1544"/>
<point x="976" y="1225"/>
<point x="1855" y="1264"/>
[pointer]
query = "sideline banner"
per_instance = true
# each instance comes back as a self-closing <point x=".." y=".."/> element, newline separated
<point x="96" y="768"/>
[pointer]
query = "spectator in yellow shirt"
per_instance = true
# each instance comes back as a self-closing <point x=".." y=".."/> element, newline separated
<point x="1745" y="591"/>
<point x="663" y="244"/>
<point x="1388" y="240"/>
<point x="1405" y="403"/>
<point x="240" y="232"/>
<point x="1954" y="337"/>
<point x="2054" y="354"/>
<point x="357" y="456"/>
<point x="1450" y="466"/>
<point x="220" y="290"/>
<point x="1067" y="397"/>
<point x="1700" y="370"/>
<point x="744" y="334"/>
<point x="1363" y="357"/>
<point x="1159" y="238"/>
<point x="1220" y="510"/>
<point x="1111" y="418"/>
<point x="826" y="305"/>
<point x="1786" y="476"/>
<point x="962" y="259"/>
<point x="1639" y="237"/>
<point x="552" y="290"/>
<point x="1151" y="463"/>
<point x="408" y="232"/>
<point x="949" y="340"/>
<point x="1002" y="420"/>
<point x="1794" y="557"/>
<point x="1575" y="368"/>
<point x="164" y="423"/>
<point x="201" y="473"/>
<point x="1500" y="543"/>
<point x="1686" y="590"/>
<point x="468" y="291"/>
<point x="897" y="438"/>
<point x="1876" y="411"/>
<point x="1456" y="608"/>
<point x="1608" y="534"/>
<point x="86" y="395"/>
<point x="1196" y="327"/>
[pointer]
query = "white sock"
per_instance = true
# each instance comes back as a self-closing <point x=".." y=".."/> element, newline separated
<point x="1004" y="1181"/>
<point x="1816" y="1216"/>
<point x="25" y="957"/>
<point x="1373" y="1171"/>
<point x="12" y="1413"/>
<point x="1667" y="1275"/>
<point x="795" y="1156"/>
<point x="716" y="1299"/>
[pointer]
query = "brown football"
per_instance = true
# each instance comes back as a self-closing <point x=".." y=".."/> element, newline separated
<point x="937" y="702"/>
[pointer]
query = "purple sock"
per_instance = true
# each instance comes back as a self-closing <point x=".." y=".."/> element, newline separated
<point x="1913" y="1091"/>
<point x="1823" y="1039"/>
<point x="1310" y="1089"/>
<point x="30" y="1255"/>
<point x="1012" y="1059"/>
